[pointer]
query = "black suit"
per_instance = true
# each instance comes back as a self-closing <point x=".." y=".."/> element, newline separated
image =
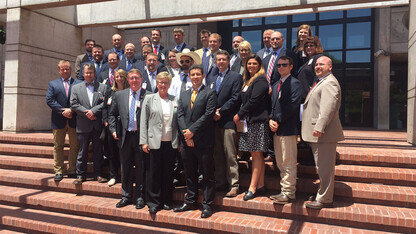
<point x="162" y="54"/>
<point x="275" y="74"/>
<point x="104" y="76"/>
<point x="131" y="157"/>
<point x="199" y="120"/>
<point x="183" y="47"/>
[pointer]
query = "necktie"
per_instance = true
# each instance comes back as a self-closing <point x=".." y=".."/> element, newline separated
<point x="194" y="92"/>
<point x="153" y="74"/>
<point x="66" y="87"/>
<point x="205" y="60"/>
<point x="310" y="90"/>
<point x="90" y="58"/>
<point x="132" y="112"/>
<point x="112" y="77"/>
<point x="233" y="60"/>
<point x="155" y="50"/>
<point x="211" y="61"/>
<point x="97" y="67"/>
<point x="279" y="86"/>
<point x="129" y="65"/>
<point x="184" y="80"/>
<point x="270" y="67"/>
<point x="218" y="83"/>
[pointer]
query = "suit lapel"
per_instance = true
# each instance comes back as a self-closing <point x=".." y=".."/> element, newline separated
<point x="84" y="94"/>
<point x="95" y="95"/>
<point x="314" y="88"/>
<point x="224" y="80"/>
<point x="157" y="103"/>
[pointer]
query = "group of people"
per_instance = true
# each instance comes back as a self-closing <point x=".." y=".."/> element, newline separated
<point x="171" y="109"/>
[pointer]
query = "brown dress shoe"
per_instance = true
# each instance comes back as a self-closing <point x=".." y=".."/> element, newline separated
<point x="101" y="179"/>
<point x="318" y="205"/>
<point x="232" y="193"/>
<point x="78" y="180"/>
<point x="281" y="199"/>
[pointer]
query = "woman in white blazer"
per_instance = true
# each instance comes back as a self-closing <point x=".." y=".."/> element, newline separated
<point x="159" y="138"/>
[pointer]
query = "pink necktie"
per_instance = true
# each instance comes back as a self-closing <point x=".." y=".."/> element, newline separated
<point x="270" y="68"/>
<point x="66" y="87"/>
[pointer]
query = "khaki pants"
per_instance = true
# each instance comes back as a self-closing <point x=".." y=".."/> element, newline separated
<point x="58" y="149"/>
<point x="286" y="152"/>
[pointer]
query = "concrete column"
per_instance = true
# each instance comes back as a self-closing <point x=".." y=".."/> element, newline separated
<point x="382" y="69"/>
<point x="35" y="44"/>
<point x="411" y="87"/>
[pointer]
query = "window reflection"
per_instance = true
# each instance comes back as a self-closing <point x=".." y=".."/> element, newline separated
<point x="358" y="35"/>
<point x="235" y="23"/>
<point x="281" y="19"/>
<point x="331" y="15"/>
<point x="331" y="36"/>
<point x="358" y="56"/>
<point x="255" y="39"/>
<point x="359" y="13"/>
<point x="251" y="22"/>
<point x="336" y="56"/>
<point x="304" y="17"/>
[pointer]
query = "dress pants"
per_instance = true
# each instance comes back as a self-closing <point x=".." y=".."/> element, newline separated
<point x="132" y="168"/>
<point x="325" y="156"/>
<point x="58" y="149"/>
<point x="225" y="158"/>
<point x="97" y="152"/>
<point x="192" y="157"/>
<point x="160" y="175"/>
<point x="112" y="152"/>
<point x="286" y="158"/>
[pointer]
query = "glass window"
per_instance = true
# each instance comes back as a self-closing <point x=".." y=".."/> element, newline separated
<point x="358" y="35"/>
<point x="304" y="17"/>
<point x="251" y="22"/>
<point x="255" y="39"/>
<point x="295" y="32"/>
<point x="358" y="56"/>
<point x="235" y="34"/>
<point x="359" y="13"/>
<point x="276" y="19"/>
<point x="331" y="15"/>
<point x="235" y="23"/>
<point x="336" y="56"/>
<point x="331" y="36"/>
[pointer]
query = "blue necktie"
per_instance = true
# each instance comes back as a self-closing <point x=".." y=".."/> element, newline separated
<point x="132" y="112"/>
<point x="128" y="65"/>
<point x="205" y="61"/>
<point x="218" y="83"/>
<point x="98" y="68"/>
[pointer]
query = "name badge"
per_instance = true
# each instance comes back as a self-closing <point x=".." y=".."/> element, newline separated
<point x="138" y="103"/>
<point x="144" y="85"/>
<point x="109" y="101"/>
<point x="280" y="94"/>
<point x="245" y="88"/>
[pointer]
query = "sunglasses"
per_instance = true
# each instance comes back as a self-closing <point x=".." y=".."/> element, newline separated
<point x="185" y="61"/>
<point x="282" y="64"/>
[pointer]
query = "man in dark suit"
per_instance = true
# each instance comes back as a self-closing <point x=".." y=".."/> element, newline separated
<point x="127" y="104"/>
<point x="83" y="58"/>
<point x="117" y="42"/>
<point x="129" y="61"/>
<point x="195" y="118"/>
<point x="211" y="74"/>
<point x="153" y="67"/>
<point x="236" y="43"/>
<point x="284" y="123"/>
<point x="228" y="88"/>
<point x="158" y="49"/>
<point x="270" y="61"/>
<point x="87" y="100"/>
<point x="107" y="76"/>
<point x="178" y="35"/>
<point x="267" y="46"/>
<point x="99" y="63"/>
<point x="63" y="120"/>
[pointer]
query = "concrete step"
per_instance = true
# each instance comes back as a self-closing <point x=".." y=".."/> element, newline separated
<point x="35" y="220"/>
<point x="35" y="151"/>
<point x="45" y="138"/>
<point x="103" y="207"/>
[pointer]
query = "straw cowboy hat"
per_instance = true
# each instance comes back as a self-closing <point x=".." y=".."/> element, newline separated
<point x="187" y="52"/>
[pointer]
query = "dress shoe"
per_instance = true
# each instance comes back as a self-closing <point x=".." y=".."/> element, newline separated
<point x="140" y="203"/>
<point x="123" y="202"/>
<point x="153" y="210"/>
<point x="112" y="182"/>
<point x="318" y="205"/>
<point x="206" y="213"/>
<point x="72" y="175"/>
<point x="78" y="180"/>
<point x="281" y="199"/>
<point x="261" y="191"/>
<point x="58" y="177"/>
<point x="232" y="193"/>
<point x="101" y="179"/>
<point x="249" y="195"/>
<point x="167" y="207"/>
<point x="184" y="207"/>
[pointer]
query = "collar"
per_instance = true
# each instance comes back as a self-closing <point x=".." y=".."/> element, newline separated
<point x="88" y="84"/>
<point x="320" y="78"/>
<point x="283" y="79"/>
<point x="180" y="45"/>
<point x="69" y="79"/>
<point x="137" y="92"/>
<point x="199" y="88"/>
<point x="224" y="73"/>
<point x="277" y="51"/>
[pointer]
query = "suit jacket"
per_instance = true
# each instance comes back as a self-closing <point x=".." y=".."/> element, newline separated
<point x="228" y="98"/>
<point x="255" y="101"/>
<point x="200" y="52"/>
<point x="113" y="50"/>
<point x="80" y="103"/>
<point x="57" y="100"/>
<point x="104" y="66"/>
<point x="146" y="78"/>
<point x="82" y="58"/>
<point x="211" y="75"/>
<point x="151" y="121"/>
<point x="123" y="63"/>
<point x="285" y="106"/>
<point x="104" y="76"/>
<point x="237" y="65"/>
<point x="199" y="120"/>
<point x="120" y="106"/>
<point x="306" y="75"/>
<point x="162" y="56"/>
<point x="275" y="74"/>
<point x="321" y="112"/>
<point x="183" y="47"/>
<point x="261" y="52"/>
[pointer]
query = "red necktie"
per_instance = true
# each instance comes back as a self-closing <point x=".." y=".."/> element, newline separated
<point x="280" y="85"/>
<point x="310" y="90"/>
<point x="155" y="50"/>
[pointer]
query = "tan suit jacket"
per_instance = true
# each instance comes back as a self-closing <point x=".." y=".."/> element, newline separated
<point x="321" y="112"/>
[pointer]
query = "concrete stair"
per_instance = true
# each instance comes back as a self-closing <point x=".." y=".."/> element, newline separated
<point x="374" y="192"/>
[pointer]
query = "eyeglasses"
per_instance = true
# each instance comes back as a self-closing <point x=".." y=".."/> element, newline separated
<point x="282" y="64"/>
<point x="185" y="61"/>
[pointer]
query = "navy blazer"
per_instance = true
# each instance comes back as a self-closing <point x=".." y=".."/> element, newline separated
<point x="183" y="47"/>
<point x="57" y="100"/>
<point x="228" y="98"/>
<point x="286" y="106"/>
<point x="113" y="50"/>
<point x="275" y="74"/>
<point x="104" y="66"/>
<point x="123" y="64"/>
<point x="255" y="101"/>
<point x="211" y="75"/>
<point x="199" y="120"/>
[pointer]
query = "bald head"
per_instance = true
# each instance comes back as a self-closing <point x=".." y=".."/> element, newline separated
<point x="276" y="40"/>
<point x="129" y="50"/>
<point x="323" y="66"/>
<point x="236" y="42"/>
<point x="117" y="41"/>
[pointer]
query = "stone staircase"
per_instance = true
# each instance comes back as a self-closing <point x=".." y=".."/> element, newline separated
<point x="375" y="191"/>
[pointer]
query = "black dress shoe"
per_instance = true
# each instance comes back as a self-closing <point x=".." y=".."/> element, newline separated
<point x="249" y="195"/>
<point x="167" y="207"/>
<point x="58" y="177"/>
<point x="206" y="213"/>
<point x="123" y="202"/>
<point x="184" y="207"/>
<point x="140" y="203"/>
<point x="72" y="175"/>
<point x="153" y="210"/>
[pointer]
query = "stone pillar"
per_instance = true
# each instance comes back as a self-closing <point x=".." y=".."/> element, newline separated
<point x="382" y="69"/>
<point x="35" y="44"/>
<point x="411" y="85"/>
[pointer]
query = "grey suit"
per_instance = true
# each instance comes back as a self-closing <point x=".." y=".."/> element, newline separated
<point x="321" y="113"/>
<point x="87" y="129"/>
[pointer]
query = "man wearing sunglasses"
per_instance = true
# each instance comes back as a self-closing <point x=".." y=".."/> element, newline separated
<point x="284" y="123"/>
